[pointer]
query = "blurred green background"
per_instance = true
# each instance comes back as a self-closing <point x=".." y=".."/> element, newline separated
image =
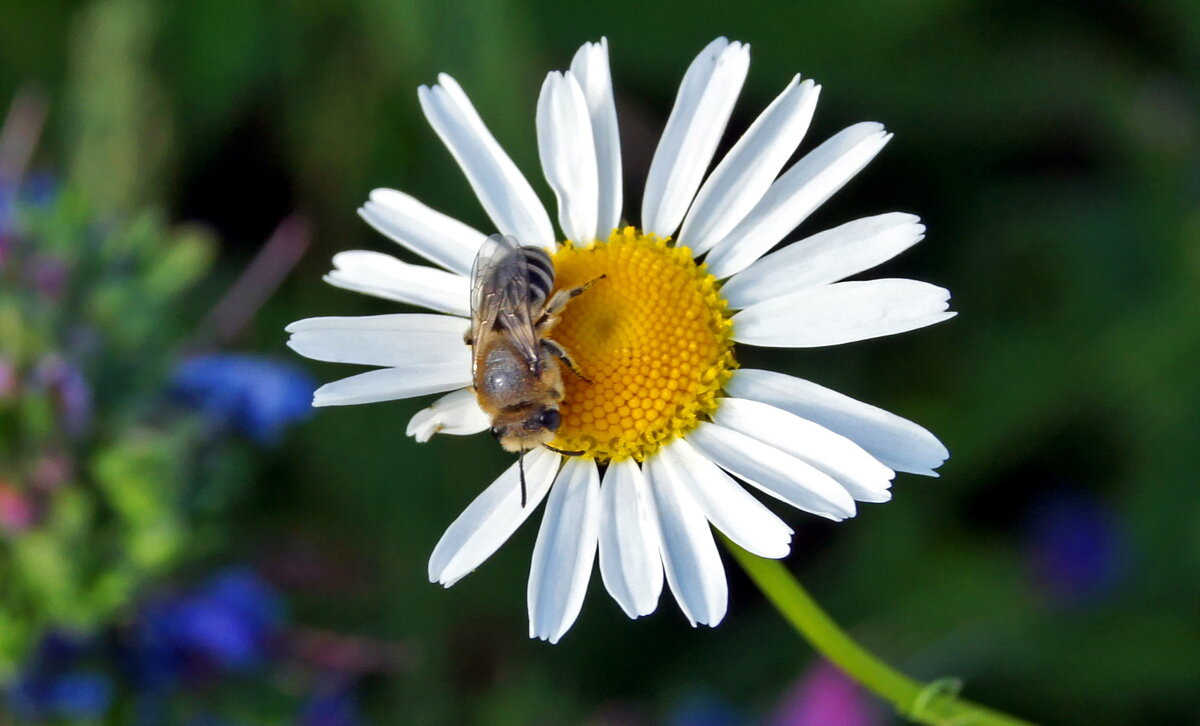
<point x="1050" y="148"/>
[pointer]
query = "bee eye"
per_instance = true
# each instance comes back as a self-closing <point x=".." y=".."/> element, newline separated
<point x="551" y="419"/>
<point x="497" y="431"/>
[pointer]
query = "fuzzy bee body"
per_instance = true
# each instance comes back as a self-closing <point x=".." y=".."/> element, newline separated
<point x="516" y="372"/>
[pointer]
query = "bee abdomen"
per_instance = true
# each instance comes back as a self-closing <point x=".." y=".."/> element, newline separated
<point x="541" y="274"/>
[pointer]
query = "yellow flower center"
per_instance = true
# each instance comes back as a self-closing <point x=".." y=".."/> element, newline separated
<point x="653" y="336"/>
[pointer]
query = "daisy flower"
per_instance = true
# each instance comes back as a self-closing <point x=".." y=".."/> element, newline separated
<point x="667" y="420"/>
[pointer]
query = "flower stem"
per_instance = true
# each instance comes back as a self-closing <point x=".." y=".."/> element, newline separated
<point x="935" y="703"/>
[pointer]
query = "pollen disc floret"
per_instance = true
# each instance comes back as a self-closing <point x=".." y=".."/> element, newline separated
<point x="654" y="338"/>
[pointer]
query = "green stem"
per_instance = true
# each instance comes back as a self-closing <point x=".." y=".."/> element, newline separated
<point x="935" y="703"/>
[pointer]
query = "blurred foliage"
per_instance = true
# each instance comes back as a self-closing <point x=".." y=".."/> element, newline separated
<point x="94" y="475"/>
<point x="110" y="485"/>
<point x="1053" y="150"/>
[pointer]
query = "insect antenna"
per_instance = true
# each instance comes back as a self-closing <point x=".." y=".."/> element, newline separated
<point x="521" y="469"/>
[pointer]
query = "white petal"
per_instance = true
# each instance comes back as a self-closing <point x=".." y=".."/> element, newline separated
<point x="491" y="519"/>
<point x="861" y="474"/>
<point x="629" y="560"/>
<point x="502" y="189"/>
<point x="842" y="313"/>
<point x="455" y="413"/>
<point x="743" y="176"/>
<point x="702" y="107"/>
<point x="775" y="472"/>
<point x="375" y="273"/>
<point x="590" y="68"/>
<point x="824" y="257"/>
<point x="389" y="384"/>
<point x="568" y="154"/>
<point x="429" y="233"/>
<point x="383" y="340"/>
<point x="895" y="441"/>
<point x="565" y="551"/>
<point x="795" y="195"/>
<point x="689" y="553"/>
<point x="728" y="506"/>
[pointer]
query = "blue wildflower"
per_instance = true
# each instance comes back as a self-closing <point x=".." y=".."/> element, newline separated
<point x="227" y="624"/>
<point x="336" y="706"/>
<point x="52" y="687"/>
<point x="255" y="395"/>
<point x="1077" y="550"/>
<point x="231" y="621"/>
<point x="40" y="189"/>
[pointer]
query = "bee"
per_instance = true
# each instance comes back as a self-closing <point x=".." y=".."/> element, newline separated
<point x="515" y="364"/>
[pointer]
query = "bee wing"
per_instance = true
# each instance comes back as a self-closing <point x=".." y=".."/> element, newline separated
<point x="500" y="295"/>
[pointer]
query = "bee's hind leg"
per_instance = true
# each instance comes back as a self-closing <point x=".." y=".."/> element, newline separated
<point x="561" y="353"/>
<point x="558" y="301"/>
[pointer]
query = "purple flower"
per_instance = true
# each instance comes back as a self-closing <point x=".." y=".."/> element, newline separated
<point x="70" y="390"/>
<point x="825" y="696"/>
<point x="255" y="395"/>
<point x="1077" y="550"/>
<point x="49" y="276"/>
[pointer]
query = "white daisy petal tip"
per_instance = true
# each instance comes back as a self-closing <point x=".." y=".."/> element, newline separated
<point x="746" y="172"/>
<point x="501" y="188"/>
<point x="898" y="443"/>
<point x="691" y="562"/>
<point x="591" y="69"/>
<point x="456" y="413"/>
<point x="383" y="276"/>
<point x="824" y="258"/>
<point x="568" y="154"/>
<point x="565" y="551"/>
<point x="630" y="564"/>
<point x="491" y="519"/>
<point x="775" y="471"/>
<point x="791" y="198"/>
<point x="426" y="231"/>
<point x="705" y="100"/>
<point x="843" y="312"/>
<point x="728" y="506"/>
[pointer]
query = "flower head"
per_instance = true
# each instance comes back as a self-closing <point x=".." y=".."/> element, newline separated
<point x="659" y="409"/>
<point x="826" y="695"/>
<point x="1076" y="546"/>
<point x="255" y="395"/>
<point x="54" y="686"/>
<point x="228" y="623"/>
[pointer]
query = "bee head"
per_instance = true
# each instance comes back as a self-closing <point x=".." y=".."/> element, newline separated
<point x="530" y="430"/>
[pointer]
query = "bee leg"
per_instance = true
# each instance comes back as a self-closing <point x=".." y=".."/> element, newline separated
<point x="561" y="353"/>
<point x="559" y="300"/>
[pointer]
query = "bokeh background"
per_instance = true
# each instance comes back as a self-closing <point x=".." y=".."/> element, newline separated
<point x="1050" y="148"/>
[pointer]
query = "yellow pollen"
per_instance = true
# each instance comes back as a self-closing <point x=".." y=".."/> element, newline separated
<point x="653" y="336"/>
